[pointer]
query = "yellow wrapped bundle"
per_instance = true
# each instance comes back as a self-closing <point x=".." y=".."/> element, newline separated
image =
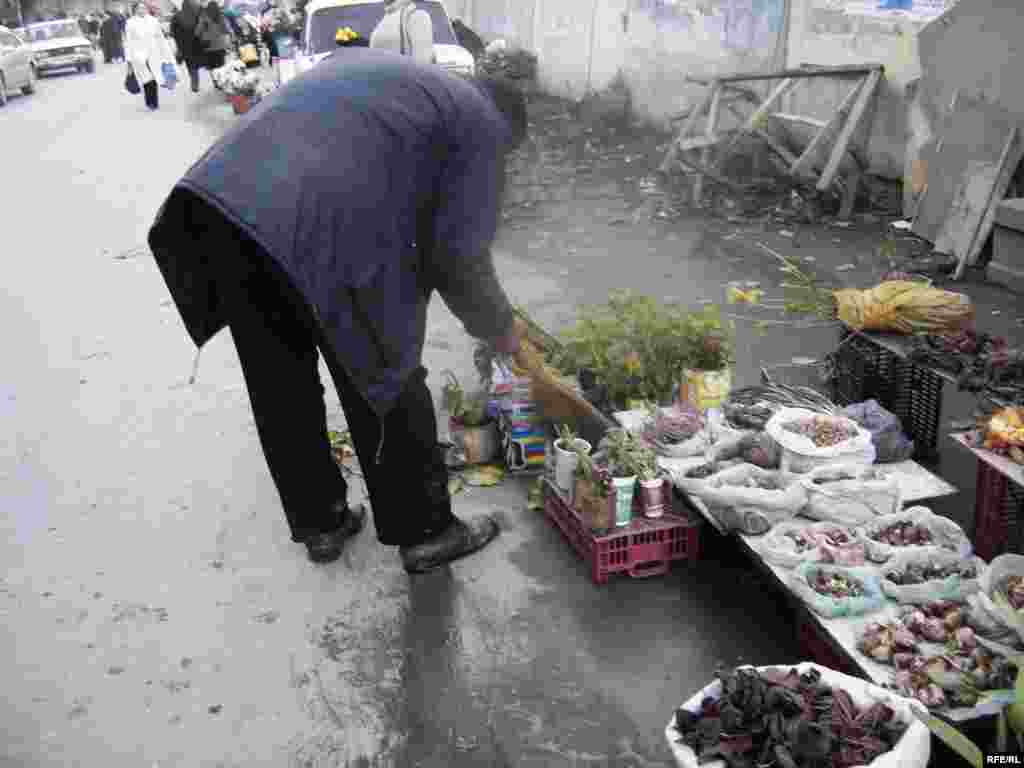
<point x="899" y="306"/>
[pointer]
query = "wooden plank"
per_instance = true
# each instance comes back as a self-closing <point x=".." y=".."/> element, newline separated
<point x="668" y="165"/>
<point x="973" y="131"/>
<point x="867" y="92"/>
<point x="733" y="185"/>
<point x="815" y="71"/>
<point x="1007" y="167"/>
<point x="768" y="139"/>
<point x="709" y="133"/>
<point x="803" y="164"/>
<point x="759" y="114"/>
<point x="852" y="183"/>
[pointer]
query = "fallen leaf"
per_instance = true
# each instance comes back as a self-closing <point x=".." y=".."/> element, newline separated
<point x="455" y="485"/>
<point x="845" y="267"/>
<point x="485" y="476"/>
<point x="785" y="233"/>
<point x="215" y="709"/>
<point x="115" y="670"/>
<point x="843" y="224"/>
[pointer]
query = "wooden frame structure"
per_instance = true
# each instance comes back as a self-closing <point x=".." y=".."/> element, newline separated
<point x="704" y="153"/>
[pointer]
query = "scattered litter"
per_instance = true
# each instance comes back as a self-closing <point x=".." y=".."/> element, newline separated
<point x="80" y="709"/>
<point x="785" y="233"/>
<point x="97" y="595"/>
<point x="901" y="225"/>
<point x="217" y="564"/>
<point x="843" y="224"/>
<point x="804" y="361"/>
<point x="47" y="594"/>
<point x="845" y="267"/>
<point x="174" y="719"/>
<point x="535" y="499"/>
<point x="810" y="259"/>
<point x="618" y="220"/>
<point x="215" y="709"/>
<point x="186" y="662"/>
<point x="115" y="670"/>
<point x="267" y="617"/>
<point x="836" y="240"/>
<point x="997" y="312"/>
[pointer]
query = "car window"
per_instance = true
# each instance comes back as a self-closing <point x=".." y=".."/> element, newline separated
<point x="326" y="22"/>
<point x="54" y="32"/>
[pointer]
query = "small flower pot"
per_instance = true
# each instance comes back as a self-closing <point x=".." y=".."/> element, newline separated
<point x="624" y="490"/>
<point x="240" y="103"/>
<point x="597" y="512"/>
<point x="565" y="464"/>
<point x="479" y="445"/>
<point x="705" y="389"/>
<point x="653" y="497"/>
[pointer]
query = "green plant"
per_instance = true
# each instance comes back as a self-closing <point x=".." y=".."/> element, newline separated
<point x="709" y="340"/>
<point x="567" y="437"/>
<point x="629" y="457"/>
<point x="599" y="477"/>
<point x="467" y="410"/>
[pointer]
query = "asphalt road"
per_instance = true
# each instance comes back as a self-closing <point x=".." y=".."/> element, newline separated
<point x="154" y="611"/>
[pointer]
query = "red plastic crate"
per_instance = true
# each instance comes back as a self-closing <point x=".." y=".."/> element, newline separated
<point x="999" y="513"/>
<point x="643" y="548"/>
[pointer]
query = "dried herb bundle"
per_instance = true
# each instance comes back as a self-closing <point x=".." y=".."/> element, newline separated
<point x="788" y="720"/>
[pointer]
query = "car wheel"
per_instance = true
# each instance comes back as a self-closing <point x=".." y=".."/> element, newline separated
<point x="3" y="91"/>
<point x="30" y="87"/>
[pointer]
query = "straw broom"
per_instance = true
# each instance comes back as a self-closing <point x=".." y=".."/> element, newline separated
<point x="556" y="400"/>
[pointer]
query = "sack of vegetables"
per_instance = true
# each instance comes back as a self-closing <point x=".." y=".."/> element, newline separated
<point x="927" y="574"/>
<point x="1002" y="591"/>
<point x="911" y="529"/>
<point x="748" y="498"/>
<point x="850" y="494"/>
<point x="834" y="591"/>
<point x="792" y="543"/>
<point x="803" y="716"/>
<point x="810" y="440"/>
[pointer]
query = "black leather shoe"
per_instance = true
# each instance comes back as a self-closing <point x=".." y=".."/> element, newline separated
<point x="457" y="540"/>
<point x="327" y="547"/>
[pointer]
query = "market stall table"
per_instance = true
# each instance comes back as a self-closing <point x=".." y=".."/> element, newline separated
<point x="999" y="500"/>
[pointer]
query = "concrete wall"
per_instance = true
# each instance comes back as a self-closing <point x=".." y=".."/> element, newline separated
<point x="853" y="32"/>
<point x="582" y="44"/>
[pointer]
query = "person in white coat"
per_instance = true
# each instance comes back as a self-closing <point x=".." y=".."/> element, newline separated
<point x="407" y="30"/>
<point x="147" y="51"/>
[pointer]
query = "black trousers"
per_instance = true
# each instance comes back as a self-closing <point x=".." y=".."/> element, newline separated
<point x="151" y="93"/>
<point x="278" y="345"/>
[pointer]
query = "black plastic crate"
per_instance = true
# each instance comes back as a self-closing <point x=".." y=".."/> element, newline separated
<point x="863" y="370"/>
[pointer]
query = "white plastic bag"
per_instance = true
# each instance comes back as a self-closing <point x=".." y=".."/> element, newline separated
<point x="778" y="548"/>
<point x="800" y="454"/>
<point x="999" y="569"/>
<point x="945" y="533"/>
<point x="837" y="607"/>
<point x="913" y="750"/>
<point x="850" y="494"/>
<point x="950" y="588"/>
<point x="751" y="510"/>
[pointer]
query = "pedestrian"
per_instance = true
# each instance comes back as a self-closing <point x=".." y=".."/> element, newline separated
<point x="355" y="192"/>
<point x="147" y="51"/>
<point x="213" y="35"/>
<point x="112" y="38"/>
<point x="183" y="29"/>
<point x="405" y="29"/>
<point x="94" y="31"/>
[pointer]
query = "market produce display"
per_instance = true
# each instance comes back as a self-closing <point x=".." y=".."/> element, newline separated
<point x="853" y="494"/>
<point x="788" y="718"/>
<point x="752" y="407"/>
<point x="981" y="362"/>
<point x="823" y="431"/>
<point x="837" y="585"/>
<point x="882" y="642"/>
<point x="919" y="573"/>
<point x="886" y="430"/>
<point x="911" y="529"/>
<point x="834" y="591"/>
<point x="1004" y="434"/>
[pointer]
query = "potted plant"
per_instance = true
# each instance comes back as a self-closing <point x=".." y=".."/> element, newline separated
<point x="626" y="457"/>
<point x="652" y="485"/>
<point x="568" y="448"/>
<point x="707" y="375"/>
<point x="594" y="495"/>
<point x="473" y="430"/>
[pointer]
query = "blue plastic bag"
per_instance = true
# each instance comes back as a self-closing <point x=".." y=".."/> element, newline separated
<point x="170" y="73"/>
<point x="837" y="607"/>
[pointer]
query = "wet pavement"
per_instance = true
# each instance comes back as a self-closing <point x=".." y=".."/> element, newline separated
<point x="154" y="610"/>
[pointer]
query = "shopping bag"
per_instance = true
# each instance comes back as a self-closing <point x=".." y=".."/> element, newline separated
<point x="248" y="54"/>
<point x="170" y="73"/>
<point x="131" y="84"/>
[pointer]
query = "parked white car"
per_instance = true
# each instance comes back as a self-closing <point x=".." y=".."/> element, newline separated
<point x="60" y="45"/>
<point x="16" y="70"/>
<point x="325" y="17"/>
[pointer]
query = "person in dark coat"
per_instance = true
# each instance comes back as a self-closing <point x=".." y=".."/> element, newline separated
<point x="325" y="220"/>
<point x="112" y="38"/>
<point x="183" y="30"/>
<point x="214" y="35"/>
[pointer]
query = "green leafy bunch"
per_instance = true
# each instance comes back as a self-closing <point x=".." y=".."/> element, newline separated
<point x="710" y="340"/>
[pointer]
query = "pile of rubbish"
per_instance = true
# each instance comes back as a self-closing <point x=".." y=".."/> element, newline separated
<point x="502" y="59"/>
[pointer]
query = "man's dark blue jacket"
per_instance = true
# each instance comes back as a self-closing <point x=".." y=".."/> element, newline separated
<point x="371" y="181"/>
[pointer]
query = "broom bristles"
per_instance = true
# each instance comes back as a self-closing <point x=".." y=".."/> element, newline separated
<point x="556" y="400"/>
